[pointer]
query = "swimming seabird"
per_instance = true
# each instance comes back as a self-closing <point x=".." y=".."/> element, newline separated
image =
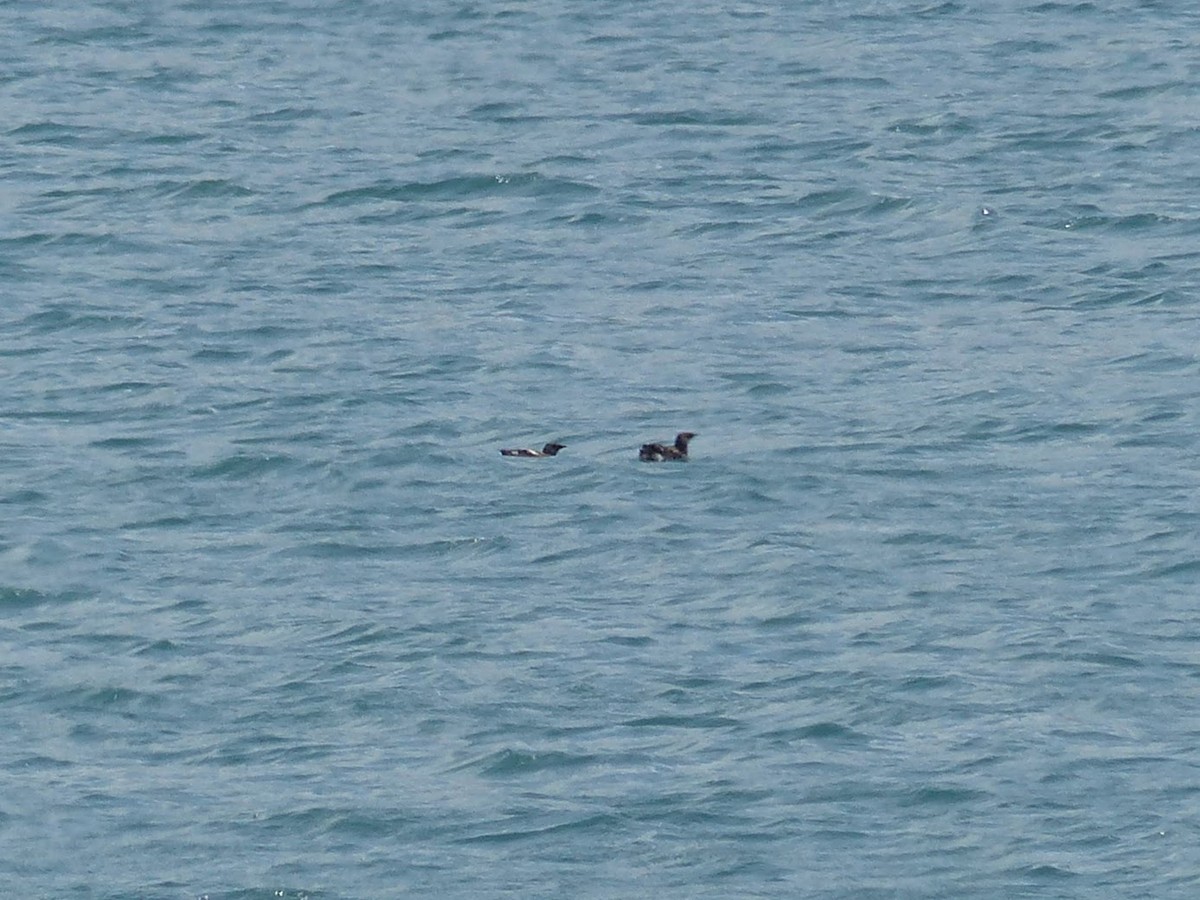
<point x="548" y="450"/>
<point x="661" y="452"/>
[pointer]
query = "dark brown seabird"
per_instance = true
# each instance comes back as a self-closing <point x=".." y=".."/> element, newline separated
<point x="661" y="452"/>
<point x="548" y="450"/>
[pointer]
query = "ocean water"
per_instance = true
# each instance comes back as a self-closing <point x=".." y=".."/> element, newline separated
<point x="918" y="618"/>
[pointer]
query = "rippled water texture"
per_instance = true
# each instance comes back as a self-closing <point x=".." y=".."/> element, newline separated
<point x="918" y="617"/>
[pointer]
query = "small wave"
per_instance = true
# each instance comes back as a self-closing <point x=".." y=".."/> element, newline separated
<point x="1137" y="92"/>
<point x="1185" y="568"/>
<point x="422" y="550"/>
<point x="220" y="354"/>
<point x="1115" y="660"/>
<point x="108" y="698"/>
<point x="286" y="114"/>
<point x="461" y="188"/>
<point x="507" y="762"/>
<point x="1128" y="223"/>
<point x="943" y="796"/>
<point x="946" y="123"/>
<point x="833" y="732"/>
<point x="55" y="134"/>
<point x="504" y="112"/>
<point x="364" y="635"/>
<point x="62" y="318"/>
<point x="265" y="893"/>
<point x="158" y="523"/>
<point x="702" y="117"/>
<point x="70" y="239"/>
<point x="699" y="721"/>
<point x="340" y="550"/>
<point x="241" y="466"/>
<point x="1048" y="873"/>
<point x="629" y="640"/>
<point x="25" y="496"/>
<point x="23" y="598"/>
<point x="163" y="646"/>
<point x="510" y="835"/>
<point x="201" y="189"/>
<point x="825" y="199"/>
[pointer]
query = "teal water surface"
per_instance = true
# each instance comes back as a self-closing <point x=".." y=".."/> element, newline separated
<point x="918" y="618"/>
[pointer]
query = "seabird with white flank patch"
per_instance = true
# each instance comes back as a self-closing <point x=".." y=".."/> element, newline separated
<point x="548" y="450"/>
<point x="661" y="452"/>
